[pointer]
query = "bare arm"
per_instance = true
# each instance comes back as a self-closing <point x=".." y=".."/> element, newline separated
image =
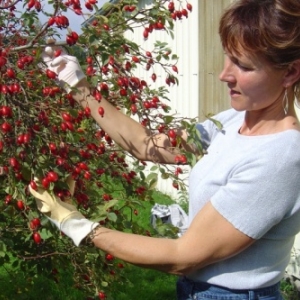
<point x="127" y="133"/>
<point x="209" y="239"/>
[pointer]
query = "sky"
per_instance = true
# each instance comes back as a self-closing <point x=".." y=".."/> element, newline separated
<point x="74" y="20"/>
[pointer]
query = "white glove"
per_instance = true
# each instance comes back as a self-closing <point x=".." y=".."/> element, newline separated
<point x="66" y="67"/>
<point x="64" y="215"/>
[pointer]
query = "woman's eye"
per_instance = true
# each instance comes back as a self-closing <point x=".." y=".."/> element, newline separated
<point x="244" y="68"/>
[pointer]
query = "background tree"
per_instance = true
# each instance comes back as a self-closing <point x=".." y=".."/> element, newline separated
<point x="44" y="133"/>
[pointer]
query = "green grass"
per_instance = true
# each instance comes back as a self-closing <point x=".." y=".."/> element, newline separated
<point x="145" y="284"/>
<point x="289" y="291"/>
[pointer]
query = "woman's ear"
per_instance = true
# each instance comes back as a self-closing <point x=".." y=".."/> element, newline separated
<point x="292" y="74"/>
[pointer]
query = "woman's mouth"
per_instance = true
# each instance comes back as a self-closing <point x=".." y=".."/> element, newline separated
<point x="233" y="92"/>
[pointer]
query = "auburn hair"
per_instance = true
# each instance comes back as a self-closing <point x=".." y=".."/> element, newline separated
<point x="268" y="28"/>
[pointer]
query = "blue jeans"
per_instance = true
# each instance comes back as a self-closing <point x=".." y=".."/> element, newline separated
<point x="189" y="290"/>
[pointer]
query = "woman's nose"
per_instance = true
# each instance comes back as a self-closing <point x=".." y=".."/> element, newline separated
<point x="226" y="74"/>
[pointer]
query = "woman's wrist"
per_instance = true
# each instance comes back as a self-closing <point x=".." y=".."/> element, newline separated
<point x="89" y="239"/>
<point x="82" y="93"/>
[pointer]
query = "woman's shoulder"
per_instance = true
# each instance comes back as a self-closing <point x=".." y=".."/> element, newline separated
<point x="290" y="139"/>
<point x="291" y="122"/>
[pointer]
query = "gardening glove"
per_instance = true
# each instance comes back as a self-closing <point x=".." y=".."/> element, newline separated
<point x="63" y="215"/>
<point x="67" y="68"/>
<point x="71" y="184"/>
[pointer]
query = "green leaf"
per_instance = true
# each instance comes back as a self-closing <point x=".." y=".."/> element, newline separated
<point x="154" y="168"/>
<point x="127" y="224"/>
<point x="42" y="159"/>
<point x="7" y="190"/>
<point x="160" y="44"/>
<point x="45" y="234"/>
<point x="110" y="204"/>
<point x="26" y="172"/>
<point x="171" y="34"/>
<point x="152" y="176"/>
<point x="216" y="122"/>
<point x="168" y="119"/>
<point x="16" y="264"/>
<point x="165" y="176"/>
<point x="152" y="184"/>
<point x="15" y="193"/>
<point x="104" y="283"/>
<point x="103" y="18"/>
<point x="28" y="237"/>
<point x="162" y="170"/>
<point x="112" y="217"/>
<point x="194" y="160"/>
<point x="166" y="57"/>
<point x="2" y="249"/>
<point x="185" y="124"/>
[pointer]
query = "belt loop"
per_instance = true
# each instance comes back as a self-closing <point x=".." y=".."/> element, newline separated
<point x="251" y="295"/>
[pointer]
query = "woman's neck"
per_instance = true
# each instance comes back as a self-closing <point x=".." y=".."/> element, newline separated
<point x="262" y="123"/>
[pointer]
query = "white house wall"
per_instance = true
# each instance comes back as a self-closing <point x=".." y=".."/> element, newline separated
<point x="184" y="97"/>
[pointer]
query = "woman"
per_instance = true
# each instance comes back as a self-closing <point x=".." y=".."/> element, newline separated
<point x="244" y="194"/>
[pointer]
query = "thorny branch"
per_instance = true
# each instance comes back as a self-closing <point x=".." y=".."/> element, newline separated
<point x="6" y="5"/>
<point x="38" y="256"/>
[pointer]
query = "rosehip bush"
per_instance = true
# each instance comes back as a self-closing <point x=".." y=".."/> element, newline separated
<point x="45" y="134"/>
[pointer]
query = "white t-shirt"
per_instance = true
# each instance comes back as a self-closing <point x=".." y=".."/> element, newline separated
<point x="254" y="182"/>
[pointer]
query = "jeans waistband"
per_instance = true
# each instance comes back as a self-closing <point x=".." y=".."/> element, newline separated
<point x="206" y="288"/>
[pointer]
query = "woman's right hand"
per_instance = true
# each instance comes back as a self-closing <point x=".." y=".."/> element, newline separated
<point x="66" y="67"/>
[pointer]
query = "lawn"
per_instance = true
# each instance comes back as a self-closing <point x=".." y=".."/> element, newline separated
<point x="145" y="284"/>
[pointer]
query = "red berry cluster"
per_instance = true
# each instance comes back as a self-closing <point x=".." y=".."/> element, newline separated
<point x="60" y="21"/>
<point x="177" y="14"/>
<point x="89" y="4"/>
<point x="34" y="3"/>
<point x="72" y="38"/>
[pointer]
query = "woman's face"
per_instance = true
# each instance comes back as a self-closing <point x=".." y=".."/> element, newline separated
<point x="253" y="84"/>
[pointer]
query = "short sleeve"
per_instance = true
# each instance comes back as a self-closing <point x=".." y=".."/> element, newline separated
<point x="259" y="194"/>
